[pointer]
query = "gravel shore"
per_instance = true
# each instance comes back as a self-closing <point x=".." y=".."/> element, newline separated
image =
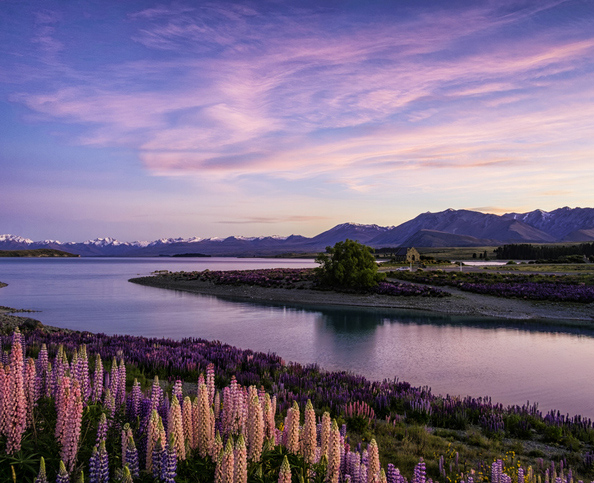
<point x="460" y="303"/>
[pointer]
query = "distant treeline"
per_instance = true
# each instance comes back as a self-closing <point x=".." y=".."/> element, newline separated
<point x="39" y="252"/>
<point x="543" y="252"/>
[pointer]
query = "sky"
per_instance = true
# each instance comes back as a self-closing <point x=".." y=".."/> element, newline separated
<point x="140" y="120"/>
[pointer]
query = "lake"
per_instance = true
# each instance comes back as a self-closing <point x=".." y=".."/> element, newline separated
<point x="511" y="361"/>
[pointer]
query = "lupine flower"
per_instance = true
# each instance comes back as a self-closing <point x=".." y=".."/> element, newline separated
<point x="97" y="390"/>
<point x="102" y="428"/>
<point x="325" y="434"/>
<point x="159" y="458"/>
<point x="101" y="465"/>
<point x="188" y="424"/>
<point x="135" y="399"/>
<point x="31" y="389"/>
<point x="240" y="457"/>
<point x="132" y="458"/>
<point x="109" y="404"/>
<point x="177" y="391"/>
<point x="202" y="430"/>
<point x="269" y="415"/>
<point x="127" y="475"/>
<point x="255" y="427"/>
<point x="217" y="446"/>
<point x="121" y="394"/>
<point x="284" y="475"/>
<point x="81" y="373"/>
<point x="333" y="454"/>
<point x="15" y="403"/>
<point x="43" y="370"/>
<point x="373" y="462"/>
<point x="308" y="435"/>
<point x="175" y="429"/>
<point x="152" y="438"/>
<point x="419" y="475"/>
<point x="63" y="476"/>
<point x="72" y="428"/>
<point x="217" y="404"/>
<point x="169" y="465"/>
<point x="126" y="435"/>
<point x="41" y="476"/>
<point x="228" y="462"/>
<point x="210" y="383"/>
<point x="62" y="397"/>
<point x="219" y="472"/>
<point x="4" y="394"/>
<point x="292" y="429"/>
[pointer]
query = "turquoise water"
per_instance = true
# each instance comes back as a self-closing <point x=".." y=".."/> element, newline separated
<point x="511" y="361"/>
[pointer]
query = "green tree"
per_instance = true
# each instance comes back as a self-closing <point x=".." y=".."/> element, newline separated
<point x="348" y="264"/>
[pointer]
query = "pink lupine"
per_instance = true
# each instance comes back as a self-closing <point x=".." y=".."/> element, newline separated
<point x="156" y="393"/>
<point x="151" y="438"/>
<point x="382" y="476"/>
<point x="309" y="434"/>
<point x="188" y="424"/>
<point x="292" y="429"/>
<point x="216" y="447"/>
<point x="72" y="426"/>
<point x="333" y="454"/>
<point x="228" y="462"/>
<point x="31" y="391"/>
<point x="59" y="370"/>
<point x="126" y="437"/>
<point x="15" y="402"/>
<point x="210" y="383"/>
<point x="325" y="434"/>
<point x="255" y="426"/>
<point x="217" y="405"/>
<point x="4" y="393"/>
<point x="284" y="475"/>
<point x="202" y="429"/>
<point x="219" y="473"/>
<point x="373" y="462"/>
<point x="175" y="429"/>
<point x="97" y="391"/>
<point x="240" y="454"/>
<point x="61" y="401"/>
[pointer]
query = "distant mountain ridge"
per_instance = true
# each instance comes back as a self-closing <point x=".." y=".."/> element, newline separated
<point x="443" y="229"/>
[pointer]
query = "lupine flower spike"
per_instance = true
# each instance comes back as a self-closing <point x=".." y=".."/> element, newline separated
<point x="284" y="475"/>
<point x="41" y="476"/>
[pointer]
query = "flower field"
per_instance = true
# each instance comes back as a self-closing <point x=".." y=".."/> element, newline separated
<point x="91" y="407"/>
<point x="294" y="278"/>
<point x="558" y="288"/>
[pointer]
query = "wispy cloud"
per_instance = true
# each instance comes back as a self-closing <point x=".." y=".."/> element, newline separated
<point x="229" y="91"/>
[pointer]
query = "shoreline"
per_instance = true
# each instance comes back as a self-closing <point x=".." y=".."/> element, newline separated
<point x="459" y="304"/>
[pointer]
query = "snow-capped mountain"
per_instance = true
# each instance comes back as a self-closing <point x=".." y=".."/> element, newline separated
<point x="446" y="228"/>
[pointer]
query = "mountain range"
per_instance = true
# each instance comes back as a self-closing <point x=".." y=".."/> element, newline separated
<point x="449" y="228"/>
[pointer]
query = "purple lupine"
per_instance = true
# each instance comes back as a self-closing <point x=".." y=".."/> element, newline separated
<point x="102" y="428"/>
<point x="121" y="396"/>
<point x="177" y="391"/>
<point x="41" y="476"/>
<point x="63" y="476"/>
<point x="169" y="464"/>
<point x="159" y="453"/>
<point x="132" y="458"/>
<point x="43" y="372"/>
<point x="99" y="464"/>
<point x="97" y="390"/>
<point x="135" y="400"/>
<point x="419" y="474"/>
<point x="81" y="373"/>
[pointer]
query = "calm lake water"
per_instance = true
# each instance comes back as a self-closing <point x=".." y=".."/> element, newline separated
<point x="512" y="362"/>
